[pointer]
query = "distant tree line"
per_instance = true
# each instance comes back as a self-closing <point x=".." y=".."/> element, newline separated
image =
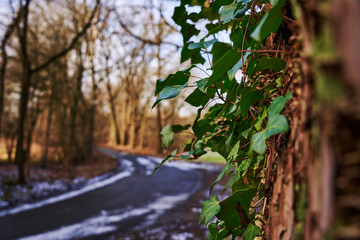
<point x="74" y="72"/>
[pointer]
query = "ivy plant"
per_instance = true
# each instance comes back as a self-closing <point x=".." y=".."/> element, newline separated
<point x="235" y="117"/>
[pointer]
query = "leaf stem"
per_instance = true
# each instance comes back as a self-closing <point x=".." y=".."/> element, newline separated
<point x="243" y="42"/>
<point x="263" y="51"/>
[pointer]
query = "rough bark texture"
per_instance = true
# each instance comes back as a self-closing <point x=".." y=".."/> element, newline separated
<point x="315" y="193"/>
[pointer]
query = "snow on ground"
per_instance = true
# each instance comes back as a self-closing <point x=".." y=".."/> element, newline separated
<point x="105" y="221"/>
<point x="148" y="164"/>
<point x="70" y="188"/>
<point x="24" y="192"/>
<point x="182" y="165"/>
<point x="182" y="236"/>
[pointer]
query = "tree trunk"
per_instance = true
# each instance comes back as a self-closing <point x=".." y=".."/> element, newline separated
<point x="29" y="138"/>
<point x="114" y="121"/>
<point x="315" y="183"/>
<point x="47" y="134"/>
<point x="71" y="143"/>
<point x="2" y="81"/>
<point x="20" y="154"/>
<point x="111" y="101"/>
<point x="24" y="95"/>
<point x="10" y="29"/>
<point x="9" y="152"/>
<point x="91" y="51"/>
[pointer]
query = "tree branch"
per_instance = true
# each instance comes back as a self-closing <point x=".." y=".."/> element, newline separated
<point x="144" y="40"/>
<point x="72" y="43"/>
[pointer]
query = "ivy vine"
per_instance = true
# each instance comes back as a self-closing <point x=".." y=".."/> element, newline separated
<point x="243" y="114"/>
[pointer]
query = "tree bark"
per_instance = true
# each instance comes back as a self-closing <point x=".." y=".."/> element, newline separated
<point x="314" y="167"/>
<point x="111" y="100"/>
<point x="90" y="137"/>
<point x="48" y="126"/>
<point x="24" y="95"/>
<point x="71" y="142"/>
<point x="10" y="29"/>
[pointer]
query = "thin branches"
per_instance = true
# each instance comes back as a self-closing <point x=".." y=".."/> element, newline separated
<point x="72" y="43"/>
<point x="144" y="40"/>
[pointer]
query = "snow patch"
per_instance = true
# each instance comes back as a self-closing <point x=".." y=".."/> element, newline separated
<point x="148" y="164"/>
<point x="163" y="204"/>
<point x="187" y="166"/>
<point x="91" y="226"/>
<point x="182" y="236"/>
<point x="103" y="223"/>
<point x="91" y="185"/>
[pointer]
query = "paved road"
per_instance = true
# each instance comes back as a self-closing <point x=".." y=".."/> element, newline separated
<point x="128" y="201"/>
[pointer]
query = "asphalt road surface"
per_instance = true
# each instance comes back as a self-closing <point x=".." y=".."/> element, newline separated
<point x="132" y="204"/>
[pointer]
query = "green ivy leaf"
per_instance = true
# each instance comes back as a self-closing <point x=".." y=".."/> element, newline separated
<point x="276" y="124"/>
<point x="201" y="84"/>
<point x="237" y="37"/>
<point x="218" y="50"/>
<point x="231" y="73"/>
<point x="188" y="30"/>
<point x="229" y="207"/>
<point x="179" y="128"/>
<point x="194" y="55"/>
<point x="179" y="78"/>
<point x="251" y="231"/>
<point x="234" y="151"/>
<point x="259" y="160"/>
<point x="218" y="4"/>
<point x="251" y="67"/>
<point x="244" y="167"/>
<point x="259" y="122"/>
<point x="204" y="45"/>
<point x="209" y="209"/>
<point x="237" y="232"/>
<point x="196" y="128"/>
<point x="224" y="64"/>
<point x="269" y="23"/>
<point x="223" y="233"/>
<point x="248" y="97"/>
<point x="258" y="142"/>
<point x="168" y="136"/>
<point x="274" y="63"/>
<point x="169" y="92"/>
<point x="239" y="185"/>
<point x="245" y="133"/>
<point x="228" y="12"/>
<point x="225" y="172"/>
<point x="214" y="231"/>
<point x="198" y="98"/>
<point x="278" y="104"/>
<point x="199" y="148"/>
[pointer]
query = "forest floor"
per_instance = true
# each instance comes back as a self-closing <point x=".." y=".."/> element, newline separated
<point x="51" y="180"/>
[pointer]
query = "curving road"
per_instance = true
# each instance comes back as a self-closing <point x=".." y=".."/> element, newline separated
<point x="126" y="203"/>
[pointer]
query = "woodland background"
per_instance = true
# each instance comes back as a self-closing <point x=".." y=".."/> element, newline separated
<point x="77" y="73"/>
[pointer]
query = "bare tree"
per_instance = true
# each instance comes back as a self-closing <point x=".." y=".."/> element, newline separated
<point x="8" y="32"/>
<point x="28" y="70"/>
